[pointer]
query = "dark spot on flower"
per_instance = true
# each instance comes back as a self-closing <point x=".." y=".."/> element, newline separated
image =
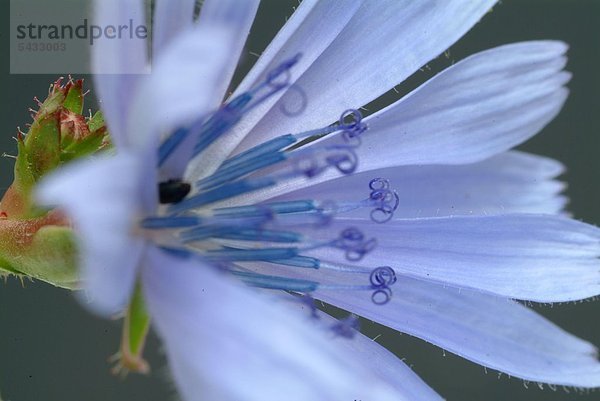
<point x="173" y="191"/>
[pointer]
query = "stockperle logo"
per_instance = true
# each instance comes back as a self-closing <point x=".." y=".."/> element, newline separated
<point x="58" y="36"/>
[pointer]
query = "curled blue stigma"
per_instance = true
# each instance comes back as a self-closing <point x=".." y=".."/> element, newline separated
<point x="353" y="241"/>
<point x="381" y="279"/>
<point x="386" y="201"/>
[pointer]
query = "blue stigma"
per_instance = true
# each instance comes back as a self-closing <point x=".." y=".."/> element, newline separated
<point x="386" y="201"/>
<point x="214" y="221"/>
<point x="381" y="279"/>
<point x="353" y="242"/>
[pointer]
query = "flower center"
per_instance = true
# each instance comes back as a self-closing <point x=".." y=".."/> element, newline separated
<point x="278" y="244"/>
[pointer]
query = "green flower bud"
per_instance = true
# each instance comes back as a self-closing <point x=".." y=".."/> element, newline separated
<point x="35" y="242"/>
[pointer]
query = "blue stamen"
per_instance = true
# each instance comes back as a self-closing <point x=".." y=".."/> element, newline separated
<point x="274" y="208"/>
<point x="342" y="267"/>
<point x="220" y="122"/>
<point x="234" y="172"/>
<point x="270" y="146"/>
<point x="171" y="143"/>
<point x="204" y="232"/>
<point x="223" y="192"/>
<point x="316" y="132"/>
<point x="262" y="235"/>
<point x="317" y="218"/>
<point x="170" y="222"/>
<point x="241" y="234"/>
<point x="299" y="261"/>
<point x="275" y="282"/>
<point x="178" y="252"/>
<point x="248" y="255"/>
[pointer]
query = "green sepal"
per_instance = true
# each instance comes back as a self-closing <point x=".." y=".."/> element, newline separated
<point x="24" y="178"/>
<point x="42" y="145"/>
<point x="74" y="99"/>
<point x="97" y="122"/>
<point x="53" y="102"/>
<point x="17" y="200"/>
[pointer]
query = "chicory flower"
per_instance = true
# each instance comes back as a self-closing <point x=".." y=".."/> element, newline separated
<point x="418" y="217"/>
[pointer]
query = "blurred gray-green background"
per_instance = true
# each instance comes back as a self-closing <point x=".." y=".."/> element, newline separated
<point x="51" y="349"/>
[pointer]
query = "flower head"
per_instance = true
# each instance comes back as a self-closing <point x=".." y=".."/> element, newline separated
<point x="416" y="217"/>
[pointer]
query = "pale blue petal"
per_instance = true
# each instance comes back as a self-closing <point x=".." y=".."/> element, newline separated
<point x="116" y="64"/>
<point x="171" y="18"/>
<point x="314" y="22"/>
<point x="532" y="257"/>
<point x="512" y="182"/>
<point x="478" y="108"/>
<point x="101" y="196"/>
<point x="493" y="332"/>
<point x="226" y="342"/>
<point x="376" y="358"/>
<point x="350" y="71"/>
